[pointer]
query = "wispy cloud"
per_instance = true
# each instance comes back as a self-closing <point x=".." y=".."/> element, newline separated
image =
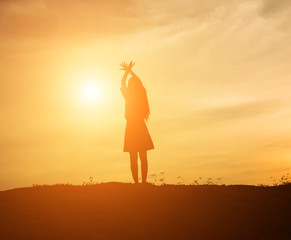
<point x="270" y="7"/>
<point x="235" y="112"/>
<point x="221" y="115"/>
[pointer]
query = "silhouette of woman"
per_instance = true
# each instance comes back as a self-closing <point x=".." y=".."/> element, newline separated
<point x="137" y="139"/>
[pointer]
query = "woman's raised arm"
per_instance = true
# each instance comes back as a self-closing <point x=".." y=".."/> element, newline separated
<point x="130" y="70"/>
<point x="123" y="80"/>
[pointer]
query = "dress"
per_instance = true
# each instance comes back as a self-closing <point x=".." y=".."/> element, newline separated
<point x="137" y="137"/>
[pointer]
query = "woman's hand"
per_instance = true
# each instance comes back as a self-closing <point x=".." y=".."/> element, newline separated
<point x="130" y="65"/>
<point x="126" y="67"/>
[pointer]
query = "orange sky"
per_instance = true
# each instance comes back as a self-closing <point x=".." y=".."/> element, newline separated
<point x="217" y="75"/>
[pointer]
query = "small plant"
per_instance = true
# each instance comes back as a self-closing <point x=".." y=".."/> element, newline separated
<point x="38" y="185"/>
<point x="162" y="178"/>
<point x="208" y="181"/>
<point x="90" y="182"/>
<point x="154" y="178"/>
<point x="157" y="179"/>
<point x="197" y="181"/>
<point x="284" y="180"/>
<point x="53" y="185"/>
<point x="181" y="181"/>
<point x="219" y="181"/>
<point x="262" y="185"/>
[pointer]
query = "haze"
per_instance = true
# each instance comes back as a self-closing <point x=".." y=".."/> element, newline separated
<point x="217" y="75"/>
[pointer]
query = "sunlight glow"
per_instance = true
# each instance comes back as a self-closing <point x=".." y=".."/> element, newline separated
<point x="89" y="88"/>
<point x="91" y="92"/>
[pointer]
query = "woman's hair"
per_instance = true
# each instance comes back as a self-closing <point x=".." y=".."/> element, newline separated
<point x="138" y="98"/>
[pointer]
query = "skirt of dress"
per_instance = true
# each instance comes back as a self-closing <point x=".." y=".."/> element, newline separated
<point x="137" y="137"/>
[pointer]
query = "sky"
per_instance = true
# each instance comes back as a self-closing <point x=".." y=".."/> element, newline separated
<point x="217" y="74"/>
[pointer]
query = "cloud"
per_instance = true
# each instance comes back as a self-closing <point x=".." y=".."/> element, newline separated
<point x="53" y="19"/>
<point x="271" y="7"/>
<point x="33" y="25"/>
<point x="212" y="117"/>
<point x="236" y="112"/>
<point x="64" y="19"/>
<point x="43" y="24"/>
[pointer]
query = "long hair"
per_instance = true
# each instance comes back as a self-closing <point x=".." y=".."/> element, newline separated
<point x="137" y="99"/>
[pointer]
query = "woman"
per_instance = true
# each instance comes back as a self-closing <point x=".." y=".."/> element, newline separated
<point x="137" y="140"/>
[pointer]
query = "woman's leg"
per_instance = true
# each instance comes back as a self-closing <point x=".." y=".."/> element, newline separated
<point x="133" y="166"/>
<point x="144" y="165"/>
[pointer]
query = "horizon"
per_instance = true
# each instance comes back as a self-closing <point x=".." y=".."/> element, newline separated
<point x="217" y="75"/>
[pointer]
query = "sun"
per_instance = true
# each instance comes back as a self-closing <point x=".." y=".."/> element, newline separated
<point x="91" y="92"/>
<point x="87" y="90"/>
<point x="90" y="89"/>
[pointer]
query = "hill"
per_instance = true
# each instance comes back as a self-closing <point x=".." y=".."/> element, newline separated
<point x="127" y="211"/>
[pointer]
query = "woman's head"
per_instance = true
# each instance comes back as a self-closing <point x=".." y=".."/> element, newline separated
<point x="134" y="83"/>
